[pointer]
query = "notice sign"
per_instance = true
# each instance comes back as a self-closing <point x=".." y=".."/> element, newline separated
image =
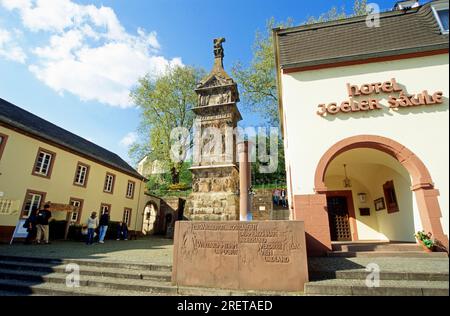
<point x="361" y="98"/>
<point x="19" y="231"/>
<point x="55" y="207"/>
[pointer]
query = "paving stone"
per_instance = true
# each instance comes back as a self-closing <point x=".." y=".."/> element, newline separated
<point x="154" y="250"/>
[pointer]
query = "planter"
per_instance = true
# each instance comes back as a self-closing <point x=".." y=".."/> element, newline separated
<point x="424" y="247"/>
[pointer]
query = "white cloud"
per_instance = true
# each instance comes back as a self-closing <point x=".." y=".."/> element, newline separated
<point x="89" y="52"/>
<point x="9" y="49"/>
<point x="128" y="139"/>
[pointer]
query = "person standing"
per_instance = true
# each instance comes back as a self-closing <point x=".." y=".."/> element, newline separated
<point x="283" y="198"/>
<point x="122" y="231"/>
<point x="104" y="222"/>
<point x="30" y="225"/>
<point x="276" y="197"/>
<point x="42" y="219"/>
<point x="92" y="224"/>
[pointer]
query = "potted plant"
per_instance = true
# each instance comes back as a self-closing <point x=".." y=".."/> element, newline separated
<point x="425" y="241"/>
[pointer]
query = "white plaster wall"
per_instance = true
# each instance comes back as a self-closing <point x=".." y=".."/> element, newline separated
<point x="424" y="130"/>
<point x="398" y="226"/>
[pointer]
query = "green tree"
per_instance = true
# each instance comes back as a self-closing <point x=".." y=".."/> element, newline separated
<point x="165" y="104"/>
<point x="258" y="81"/>
<point x="274" y="179"/>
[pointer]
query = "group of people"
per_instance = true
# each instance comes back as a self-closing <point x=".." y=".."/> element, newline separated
<point x="280" y="198"/>
<point x="93" y="223"/>
<point x="37" y="225"/>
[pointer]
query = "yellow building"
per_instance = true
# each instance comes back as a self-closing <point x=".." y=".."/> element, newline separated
<point x="41" y="162"/>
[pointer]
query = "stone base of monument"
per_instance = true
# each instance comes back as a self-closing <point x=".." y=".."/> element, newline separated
<point x="259" y="255"/>
<point x="212" y="206"/>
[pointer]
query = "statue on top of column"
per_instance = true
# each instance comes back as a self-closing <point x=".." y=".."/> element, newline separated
<point x="218" y="48"/>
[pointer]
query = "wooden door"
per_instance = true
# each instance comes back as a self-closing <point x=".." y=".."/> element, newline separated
<point x="338" y="216"/>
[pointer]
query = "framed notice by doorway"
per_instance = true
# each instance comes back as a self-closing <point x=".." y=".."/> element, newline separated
<point x="379" y="204"/>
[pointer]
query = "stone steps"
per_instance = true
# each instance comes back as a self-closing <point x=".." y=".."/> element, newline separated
<point x="40" y="276"/>
<point x="391" y="254"/>
<point x="91" y="263"/>
<point x="106" y="283"/>
<point x="386" y="288"/>
<point x="361" y="275"/>
<point x="375" y="246"/>
<point x="381" y="249"/>
<point x="9" y="287"/>
<point x="397" y="275"/>
<point x="88" y="270"/>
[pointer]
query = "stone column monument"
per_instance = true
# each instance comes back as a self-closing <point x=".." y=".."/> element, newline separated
<point x="215" y="185"/>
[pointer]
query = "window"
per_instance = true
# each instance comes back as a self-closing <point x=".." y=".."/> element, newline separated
<point x="130" y="190"/>
<point x="105" y="207"/>
<point x="440" y="11"/>
<point x="44" y="163"/>
<point x="390" y="197"/>
<point x="127" y="216"/>
<point x="109" y="183"/>
<point x="76" y="216"/>
<point x="33" y="200"/>
<point x="3" y="139"/>
<point x="81" y="175"/>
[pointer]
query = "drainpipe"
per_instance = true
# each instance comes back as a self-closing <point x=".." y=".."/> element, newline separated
<point x="244" y="183"/>
<point x="138" y="208"/>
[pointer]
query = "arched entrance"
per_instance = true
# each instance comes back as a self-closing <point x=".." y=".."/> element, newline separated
<point x="150" y="219"/>
<point x="420" y="179"/>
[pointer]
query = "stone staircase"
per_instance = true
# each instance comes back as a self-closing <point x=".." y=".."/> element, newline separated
<point x="381" y="249"/>
<point x="404" y="269"/>
<point x="333" y="275"/>
<point x="42" y="277"/>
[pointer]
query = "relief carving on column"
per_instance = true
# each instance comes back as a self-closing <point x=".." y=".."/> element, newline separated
<point x="215" y="176"/>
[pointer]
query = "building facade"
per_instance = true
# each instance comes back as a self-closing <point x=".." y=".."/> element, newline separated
<point x="41" y="162"/>
<point x="364" y="112"/>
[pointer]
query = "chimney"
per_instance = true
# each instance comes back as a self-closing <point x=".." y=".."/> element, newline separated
<point x="406" y="4"/>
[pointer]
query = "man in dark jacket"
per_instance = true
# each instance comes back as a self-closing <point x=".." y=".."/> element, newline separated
<point x="122" y="231"/>
<point x="104" y="222"/>
<point x="42" y="219"/>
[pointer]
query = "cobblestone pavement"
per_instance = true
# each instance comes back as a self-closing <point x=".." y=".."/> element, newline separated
<point x="145" y="250"/>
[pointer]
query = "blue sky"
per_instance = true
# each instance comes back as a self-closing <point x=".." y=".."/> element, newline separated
<point x="72" y="62"/>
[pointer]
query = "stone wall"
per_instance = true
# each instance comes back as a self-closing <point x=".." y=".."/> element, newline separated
<point x="212" y="206"/>
<point x="262" y="207"/>
<point x="262" y="204"/>
<point x="171" y="210"/>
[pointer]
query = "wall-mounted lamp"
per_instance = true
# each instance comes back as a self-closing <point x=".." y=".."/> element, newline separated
<point x="362" y="197"/>
<point x="347" y="182"/>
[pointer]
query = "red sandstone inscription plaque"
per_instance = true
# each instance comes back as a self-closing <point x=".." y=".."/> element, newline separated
<point x="259" y="255"/>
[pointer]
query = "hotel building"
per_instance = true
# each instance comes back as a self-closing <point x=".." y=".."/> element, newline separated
<point x="364" y="112"/>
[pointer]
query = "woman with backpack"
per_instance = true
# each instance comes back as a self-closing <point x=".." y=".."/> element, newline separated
<point x="92" y="224"/>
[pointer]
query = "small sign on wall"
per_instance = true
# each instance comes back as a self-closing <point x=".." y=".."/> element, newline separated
<point x="20" y="231"/>
<point x="262" y="208"/>
<point x="364" y="211"/>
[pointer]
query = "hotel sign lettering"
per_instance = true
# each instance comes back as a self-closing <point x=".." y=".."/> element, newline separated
<point x="397" y="98"/>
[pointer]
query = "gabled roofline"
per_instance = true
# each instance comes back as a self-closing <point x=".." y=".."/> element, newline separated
<point x="345" y="21"/>
<point x="28" y="131"/>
